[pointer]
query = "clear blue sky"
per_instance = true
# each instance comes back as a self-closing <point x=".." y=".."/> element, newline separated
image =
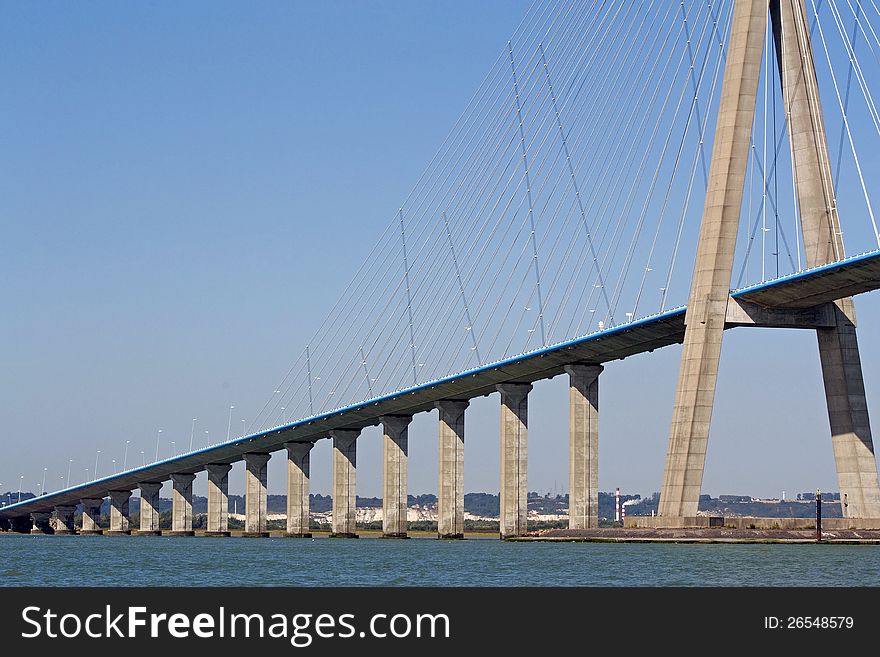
<point x="186" y="188"/>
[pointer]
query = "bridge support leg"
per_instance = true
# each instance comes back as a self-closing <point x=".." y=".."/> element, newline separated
<point x="256" y="497"/>
<point x="298" y="489"/>
<point x="218" y="499"/>
<point x="395" y="474"/>
<point x="41" y="522"/>
<point x="21" y="524"/>
<point x="823" y="242"/>
<point x="344" y="475"/>
<point x="710" y="287"/>
<point x="181" y="505"/>
<point x="91" y="518"/>
<point x="514" y="458"/>
<point x="583" y="436"/>
<point x="450" y="505"/>
<point x="149" y="513"/>
<point x="64" y="516"/>
<point x="119" y="506"/>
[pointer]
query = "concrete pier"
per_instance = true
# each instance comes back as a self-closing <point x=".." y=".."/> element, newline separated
<point x="395" y="474"/>
<point x="91" y="518"/>
<point x="450" y="458"/>
<point x="218" y="499"/>
<point x="710" y="287"/>
<point x="149" y="521"/>
<point x="41" y="523"/>
<point x="344" y="476"/>
<point x="298" y="489"/>
<point x="845" y="397"/>
<point x="181" y="505"/>
<point x="514" y="458"/>
<point x="583" y="450"/>
<point x="64" y="519"/>
<point x="119" y="507"/>
<point x="255" y="496"/>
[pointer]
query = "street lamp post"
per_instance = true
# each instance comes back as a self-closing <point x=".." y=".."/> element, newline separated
<point x="20" y="482"/>
<point x="43" y="483"/>
<point x="173" y="452"/>
<point x="125" y="457"/>
<point x="229" y="424"/>
<point x="69" y="464"/>
<point x="243" y="427"/>
<point x="207" y="438"/>
<point x="114" y="465"/>
<point x="97" y="454"/>
<point x="158" y="436"/>
<point x="143" y="458"/>
<point x="192" y="433"/>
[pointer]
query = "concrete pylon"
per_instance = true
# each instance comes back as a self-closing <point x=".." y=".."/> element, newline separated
<point x="344" y="477"/>
<point x="41" y="522"/>
<point x="181" y="505"/>
<point x="256" y="496"/>
<point x="91" y="517"/>
<point x="64" y="515"/>
<point x="119" y="506"/>
<point x="395" y="473"/>
<point x="823" y="242"/>
<point x="514" y="458"/>
<point x="149" y="513"/>
<point x="710" y="286"/>
<point x="583" y="449"/>
<point x="450" y="458"/>
<point x="218" y="499"/>
<point x="298" y="489"/>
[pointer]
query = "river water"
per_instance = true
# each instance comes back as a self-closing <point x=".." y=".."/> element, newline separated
<point x="27" y="560"/>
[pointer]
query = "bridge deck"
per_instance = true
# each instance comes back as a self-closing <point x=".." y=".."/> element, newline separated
<point x="820" y="285"/>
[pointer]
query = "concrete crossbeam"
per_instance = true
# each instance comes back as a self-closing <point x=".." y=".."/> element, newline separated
<point x="218" y="499"/>
<point x="149" y="513"/>
<point x="256" y="496"/>
<point x="298" y="489"/>
<point x="91" y="517"/>
<point x="583" y="459"/>
<point x="181" y="504"/>
<point x="344" y="478"/>
<point x="450" y="459"/>
<point x="514" y="458"/>
<point x="119" y="508"/>
<point x="744" y="313"/>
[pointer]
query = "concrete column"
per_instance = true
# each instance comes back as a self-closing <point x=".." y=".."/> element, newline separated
<point x="119" y="512"/>
<point x="298" y="489"/>
<point x="514" y="458"/>
<point x="41" y="522"/>
<point x="218" y="499"/>
<point x="21" y="524"/>
<point x="149" y="509"/>
<point x="255" y="496"/>
<point x="64" y="516"/>
<point x="823" y="242"/>
<point x="583" y="447"/>
<point x="181" y="505"/>
<point x="91" y="518"/>
<point x="450" y="457"/>
<point x="344" y="475"/>
<point x="394" y="475"/>
<point x="710" y="286"/>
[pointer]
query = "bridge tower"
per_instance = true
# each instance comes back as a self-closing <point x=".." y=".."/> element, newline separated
<point x="707" y="309"/>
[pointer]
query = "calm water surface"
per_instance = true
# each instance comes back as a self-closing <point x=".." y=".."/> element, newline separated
<point x="159" y="561"/>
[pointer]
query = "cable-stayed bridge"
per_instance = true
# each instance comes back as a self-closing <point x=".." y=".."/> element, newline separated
<point x="622" y="167"/>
